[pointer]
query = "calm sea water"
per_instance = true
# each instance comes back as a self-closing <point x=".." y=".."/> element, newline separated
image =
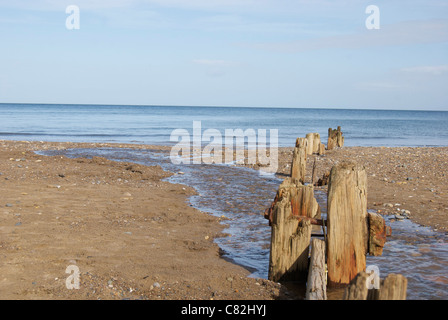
<point x="154" y="124"/>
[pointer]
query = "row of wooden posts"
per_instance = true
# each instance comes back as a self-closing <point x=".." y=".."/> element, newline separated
<point x="349" y="232"/>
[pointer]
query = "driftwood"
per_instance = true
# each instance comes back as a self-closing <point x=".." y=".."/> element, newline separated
<point x="298" y="166"/>
<point x="393" y="287"/>
<point x="316" y="287"/>
<point x="347" y="223"/>
<point x="335" y="138"/>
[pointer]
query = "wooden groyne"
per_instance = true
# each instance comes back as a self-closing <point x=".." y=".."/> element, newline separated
<point x="337" y="256"/>
<point x="335" y="138"/>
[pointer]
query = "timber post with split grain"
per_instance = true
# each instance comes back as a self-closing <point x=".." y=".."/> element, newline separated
<point x="316" y="283"/>
<point x="347" y="223"/>
<point x="314" y="144"/>
<point x="291" y="235"/>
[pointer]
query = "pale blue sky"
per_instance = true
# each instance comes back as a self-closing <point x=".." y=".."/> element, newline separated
<point x="265" y="53"/>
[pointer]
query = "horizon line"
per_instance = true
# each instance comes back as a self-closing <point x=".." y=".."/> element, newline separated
<point x="210" y="106"/>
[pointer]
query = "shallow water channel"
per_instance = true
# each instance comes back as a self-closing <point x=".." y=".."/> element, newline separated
<point x="242" y="195"/>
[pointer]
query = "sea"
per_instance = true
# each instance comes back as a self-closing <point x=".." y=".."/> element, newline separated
<point x="155" y="124"/>
<point x="241" y="194"/>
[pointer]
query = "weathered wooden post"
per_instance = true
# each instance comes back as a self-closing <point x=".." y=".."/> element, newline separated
<point x="316" y="142"/>
<point x="358" y="288"/>
<point x="335" y="138"/>
<point x="347" y="223"/>
<point x="313" y="143"/>
<point x="290" y="240"/>
<point x="290" y="235"/>
<point x="316" y="286"/>
<point x="393" y="287"/>
<point x="298" y="166"/>
<point x="313" y="172"/>
<point x="321" y="149"/>
<point x="310" y="143"/>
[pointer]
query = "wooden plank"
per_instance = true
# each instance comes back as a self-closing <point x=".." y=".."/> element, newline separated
<point x="316" y="286"/>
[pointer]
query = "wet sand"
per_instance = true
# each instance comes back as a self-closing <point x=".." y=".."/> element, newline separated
<point x="134" y="236"/>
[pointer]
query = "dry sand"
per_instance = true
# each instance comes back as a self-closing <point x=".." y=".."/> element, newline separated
<point x="133" y="236"/>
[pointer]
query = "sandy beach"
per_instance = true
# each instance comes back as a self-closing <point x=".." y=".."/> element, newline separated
<point x="134" y="236"/>
<point x="131" y="235"/>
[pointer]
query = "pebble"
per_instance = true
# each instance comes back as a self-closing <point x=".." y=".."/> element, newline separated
<point x="18" y="224"/>
<point x="399" y="217"/>
<point x="8" y="205"/>
<point x="390" y="205"/>
<point x="156" y="285"/>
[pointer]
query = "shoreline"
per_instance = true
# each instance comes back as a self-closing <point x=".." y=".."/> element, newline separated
<point x="124" y="214"/>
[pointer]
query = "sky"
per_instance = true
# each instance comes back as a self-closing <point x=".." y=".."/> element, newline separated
<point x="251" y="53"/>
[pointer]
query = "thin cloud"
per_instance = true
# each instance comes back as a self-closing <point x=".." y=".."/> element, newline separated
<point x="213" y="63"/>
<point x="403" y="33"/>
<point x="379" y="85"/>
<point x="434" y="70"/>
